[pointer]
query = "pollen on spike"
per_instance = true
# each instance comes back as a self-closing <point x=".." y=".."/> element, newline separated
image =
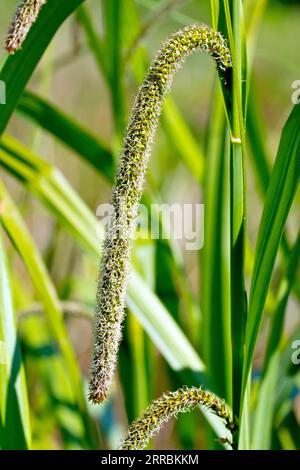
<point x="168" y="406"/>
<point x="26" y="14"/>
<point x="127" y="192"/>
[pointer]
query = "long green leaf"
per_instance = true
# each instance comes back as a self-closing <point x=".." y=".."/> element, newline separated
<point x="216" y="263"/>
<point x="231" y="23"/>
<point x="21" y="238"/>
<point x="15" y="430"/>
<point x="281" y="191"/>
<point x="285" y="287"/>
<point x="46" y="370"/>
<point x="263" y="416"/>
<point x="68" y="131"/>
<point x="257" y="145"/>
<point x="18" y="68"/>
<point x="113" y="39"/>
<point x="164" y="331"/>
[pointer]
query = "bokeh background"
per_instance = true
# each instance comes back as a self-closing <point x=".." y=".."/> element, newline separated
<point x="69" y="78"/>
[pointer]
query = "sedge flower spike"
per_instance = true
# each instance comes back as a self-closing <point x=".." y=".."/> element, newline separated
<point x="127" y="191"/>
<point x="168" y="406"/>
<point x="26" y="14"/>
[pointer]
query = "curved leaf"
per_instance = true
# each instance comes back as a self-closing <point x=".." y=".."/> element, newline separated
<point x="281" y="191"/>
<point x="18" y="68"/>
<point x="14" y="409"/>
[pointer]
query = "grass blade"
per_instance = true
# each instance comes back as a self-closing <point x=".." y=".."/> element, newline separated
<point x="164" y="331"/>
<point x="113" y="38"/>
<point x="260" y="161"/>
<point x="216" y="263"/>
<point x="256" y="140"/>
<point x="18" y="68"/>
<point x="283" y="295"/>
<point x="263" y="416"/>
<point x="21" y="238"/>
<point x="15" y="430"/>
<point x="281" y="191"/>
<point x="231" y="24"/>
<point x="45" y="368"/>
<point x="68" y="131"/>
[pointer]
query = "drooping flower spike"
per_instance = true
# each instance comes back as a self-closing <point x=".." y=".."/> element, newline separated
<point x="127" y="191"/>
<point x="168" y="406"/>
<point x="26" y="14"/>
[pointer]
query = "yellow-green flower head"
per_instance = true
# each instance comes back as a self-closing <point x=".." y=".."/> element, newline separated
<point x="127" y="191"/>
<point x="168" y="406"/>
<point x="26" y="14"/>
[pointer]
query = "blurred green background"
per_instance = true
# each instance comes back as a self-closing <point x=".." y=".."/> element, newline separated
<point x="68" y="77"/>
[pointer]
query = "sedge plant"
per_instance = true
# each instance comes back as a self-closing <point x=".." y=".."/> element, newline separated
<point x="127" y="193"/>
<point x="246" y="281"/>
